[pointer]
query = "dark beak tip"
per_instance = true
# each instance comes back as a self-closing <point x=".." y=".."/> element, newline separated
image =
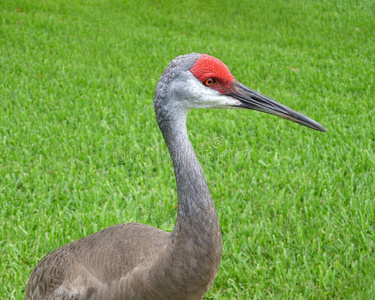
<point x="317" y="126"/>
<point x="313" y="125"/>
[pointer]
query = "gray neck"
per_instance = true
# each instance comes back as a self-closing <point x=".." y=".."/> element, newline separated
<point x="196" y="217"/>
<point x="194" y="252"/>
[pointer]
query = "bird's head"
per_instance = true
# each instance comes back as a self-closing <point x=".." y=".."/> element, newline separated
<point x="203" y="81"/>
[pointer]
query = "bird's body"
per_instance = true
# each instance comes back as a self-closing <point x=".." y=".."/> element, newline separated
<point x="137" y="261"/>
<point x="117" y="263"/>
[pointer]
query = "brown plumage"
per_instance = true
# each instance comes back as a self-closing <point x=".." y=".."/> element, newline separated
<point x="136" y="261"/>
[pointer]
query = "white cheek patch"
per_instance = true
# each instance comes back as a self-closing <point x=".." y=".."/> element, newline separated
<point x="189" y="92"/>
<point x="223" y="101"/>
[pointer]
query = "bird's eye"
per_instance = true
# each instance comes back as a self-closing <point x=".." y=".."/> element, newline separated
<point x="209" y="82"/>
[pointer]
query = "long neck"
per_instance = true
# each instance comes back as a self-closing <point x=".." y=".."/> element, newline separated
<point x="196" y="217"/>
<point x="195" y="246"/>
<point x="188" y="263"/>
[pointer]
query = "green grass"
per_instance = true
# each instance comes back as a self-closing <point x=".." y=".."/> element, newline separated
<point x="80" y="149"/>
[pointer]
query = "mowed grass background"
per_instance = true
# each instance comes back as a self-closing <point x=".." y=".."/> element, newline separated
<point x="80" y="149"/>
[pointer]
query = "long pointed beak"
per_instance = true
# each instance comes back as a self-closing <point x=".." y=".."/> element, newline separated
<point x="251" y="99"/>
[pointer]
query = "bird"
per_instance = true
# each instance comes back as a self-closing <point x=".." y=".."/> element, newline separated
<point x="138" y="261"/>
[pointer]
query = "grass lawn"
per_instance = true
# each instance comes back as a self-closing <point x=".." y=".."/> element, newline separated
<point x="80" y="149"/>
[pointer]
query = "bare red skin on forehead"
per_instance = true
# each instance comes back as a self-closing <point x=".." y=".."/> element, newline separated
<point x="210" y="67"/>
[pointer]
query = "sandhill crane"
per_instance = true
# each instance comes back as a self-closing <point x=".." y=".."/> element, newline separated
<point x="137" y="261"/>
